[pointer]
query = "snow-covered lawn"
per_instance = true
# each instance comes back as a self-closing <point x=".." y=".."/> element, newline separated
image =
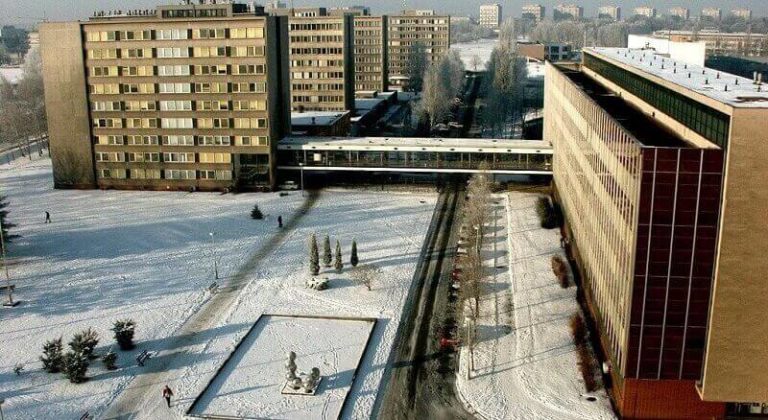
<point x="481" y="48"/>
<point x="148" y="256"/>
<point x="525" y="363"/>
<point x="249" y="385"/>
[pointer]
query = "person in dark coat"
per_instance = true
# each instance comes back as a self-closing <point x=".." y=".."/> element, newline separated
<point x="280" y="222"/>
<point x="167" y="394"/>
<point x="47" y="217"/>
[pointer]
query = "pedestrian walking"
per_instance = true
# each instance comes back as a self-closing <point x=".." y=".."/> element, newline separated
<point x="167" y="394"/>
<point x="47" y="217"/>
<point x="280" y="222"/>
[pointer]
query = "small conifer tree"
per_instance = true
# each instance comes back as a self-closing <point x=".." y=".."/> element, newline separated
<point x="314" y="258"/>
<point x="339" y="265"/>
<point x="75" y="366"/>
<point x="110" y="360"/>
<point x="6" y="225"/>
<point x="353" y="260"/>
<point x="327" y="257"/>
<point x="85" y="343"/>
<point x="124" y="330"/>
<point x="53" y="356"/>
<point x="256" y="213"/>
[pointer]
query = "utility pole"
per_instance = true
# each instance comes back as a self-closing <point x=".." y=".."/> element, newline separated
<point x="215" y="258"/>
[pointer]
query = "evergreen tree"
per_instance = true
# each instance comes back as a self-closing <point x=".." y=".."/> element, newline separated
<point x="339" y="264"/>
<point x="353" y="260"/>
<point x="85" y="343"/>
<point x="110" y="360"/>
<point x="256" y="213"/>
<point x="4" y="221"/>
<point x="314" y="258"/>
<point x="53" y="356"/>
<point x="124" y="330"/>
<point x="327" y="257"/>
<point x="75" y="366"/>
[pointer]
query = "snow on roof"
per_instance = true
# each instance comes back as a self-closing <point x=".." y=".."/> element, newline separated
<point x="368" y="103"/>
<point x="728" y="89"/>
<point x="416" y="144"/>
<point x="317" y="117"/>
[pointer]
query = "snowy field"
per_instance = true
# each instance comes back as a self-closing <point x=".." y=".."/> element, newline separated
<point x="525" y="362"/>
<point x="148" y="256"/>
<point x="481" y="48"/>
<point x="250" y="383"/>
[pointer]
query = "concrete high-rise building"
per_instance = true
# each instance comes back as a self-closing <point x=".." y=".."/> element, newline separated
<point x="681" y="12"/>
<point x="490" y="15"/>
<point x="568" y="11"/>
<point x="299" y="11"/>
<point x="535" y="12"/>
<point x="322" y="63"/>
<point x="431" y="34"/>
<point x="419" y="12"/>
<point x="609" y="12"/>
<point x="353" y="10"/>
<point x="712" y="12"/>
<point x="181" y="97"/>
<point x="653" y="171"/>
<point x="371" y="53"/>
<point x="646" y="11"/>
<point x="745" y="14"/>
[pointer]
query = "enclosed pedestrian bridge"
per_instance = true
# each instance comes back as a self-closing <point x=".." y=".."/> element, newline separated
<point x="410" y="154"/>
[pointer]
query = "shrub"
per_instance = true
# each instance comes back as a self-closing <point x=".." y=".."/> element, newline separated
<point x="75" y="366"/>
<point x="353" y="260"/>
<point x="110" y="360"/>
<point x="586" y="361"/>
<point x="124" y="331"/>
<point x="327" y="257"/>
<point x="53" y="356"/>
<point x="18" y="368"/>
<point x="561" y="271"/>
<point x="85" y="343"/>
<point x="578" y="330"/>
<point x="547" y="213"/>
<point x="314" y="258"/>
<point x="256" y="213"/>
<point x="338" y="264"/>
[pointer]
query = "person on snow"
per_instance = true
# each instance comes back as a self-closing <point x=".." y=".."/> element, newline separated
<point x="47" y="217"/>
<point x="167" y="394"/>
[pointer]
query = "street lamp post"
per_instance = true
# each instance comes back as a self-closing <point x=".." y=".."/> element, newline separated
<point x="301" y="169"/>
<point x="1" y="409"/>
<point x="215" y="260"/>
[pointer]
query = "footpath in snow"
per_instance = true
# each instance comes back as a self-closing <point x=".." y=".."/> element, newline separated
<point x="148" y="256"/>
<point x="525" y="362"/>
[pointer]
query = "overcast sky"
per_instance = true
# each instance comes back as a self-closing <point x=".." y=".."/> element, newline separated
<point x="27" y="12"/>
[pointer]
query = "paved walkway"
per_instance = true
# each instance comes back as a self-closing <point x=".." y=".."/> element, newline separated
<point x="141" y="398"/>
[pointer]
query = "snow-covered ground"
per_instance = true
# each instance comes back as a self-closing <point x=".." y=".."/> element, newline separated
<point x="481" y="48"/>
<point x="148" y="256"/>
<point x="251" y="381"/>
<point x="525" y="363"/>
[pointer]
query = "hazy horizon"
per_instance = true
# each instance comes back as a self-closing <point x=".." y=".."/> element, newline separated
<point x="29" y="12"/>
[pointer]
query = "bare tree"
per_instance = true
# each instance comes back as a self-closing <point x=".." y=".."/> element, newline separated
<point x="434" y="99"/>
<point x="22" y="107"/>
<point x="415" y="67"/>
<point x="69" y="170"/>
<point x="475" y="62"/>
<point x="365" y="275"/>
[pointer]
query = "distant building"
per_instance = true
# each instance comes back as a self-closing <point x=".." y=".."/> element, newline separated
<point x="712" y="12"/>
<point x="568" y="11"/>
<point x="432" y="33"/>
<point x="352" y="10"/>
<point x="683" y="13"/>
<point x="646" y="11"/>
<point x="418" y="12"/>
<point x="549" y="52"/>
<point x="609" y="12"/>
<point x="745" y="14"/>
<point x="535" y="12"/>
<point x="299" y="11"/>
<point x="320" y="123"/>
<point x="722" y="43"/>
<point x="490" y="15"/>
<point x="461" y="19"/>
<point x="371" y="53"/>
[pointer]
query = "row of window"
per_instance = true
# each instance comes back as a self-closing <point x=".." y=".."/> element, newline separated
<point x="317" y="38"/>
<point x="177" y="70"/>
<point x="317" y="51"/>
<point x="174" y="34"/>
<point x="143" y="106"/>
<point x="181" y="123"/>
<point x="174" y="174"/>
<point x="151" y="88"/>
<point x="167" y="157"/>
<point x="181" y="140"/>
<point x="174" y="52"/>
<point x="317" y="87"/>
<point x="317" y="63"/>
<point x="316" y="27"/>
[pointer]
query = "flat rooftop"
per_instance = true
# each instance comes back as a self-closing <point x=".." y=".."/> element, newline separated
<point x="318" y="118"/>
<point x="725" y="88"/>
<point x="416" y="144"/>
<point x="644" y="128"/>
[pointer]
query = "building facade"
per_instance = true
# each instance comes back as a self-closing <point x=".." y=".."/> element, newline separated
<point x="649" y="170"/>
<point x="535" y="12"/>
<point x="712" y="12"/>
<point x="745" y="14"/>
<point x="683" y="13"/>
<point x="490" y="15"/>
<point x="646" y="11"/>
<point x="352" y="10"/>
<point x="179" y="97"/>
<point x="322" y="63"/>
<point x="568" y="11"/>
<point x="722" y="43"/>
<point x="609" y="12"/>
<point x="371" y="53"/>
<point x="415" y="34"/>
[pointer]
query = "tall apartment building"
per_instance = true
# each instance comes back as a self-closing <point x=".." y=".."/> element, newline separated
<point x="406" y="32"/>
<point x="179" y="97"/>
<point x="745" y="14"/>
<point x="371" y="53"/>
<point x="299" y="11"/>
<point x="722" y="43"/>
<point x="322" y="63"/>
<point x="653" y="174"/>
<point x="681" y="12"/>
<point x="535" y="12"/>
<point x="568" y="11"/>
<point x="609" y="12"/>
<point x="490" y="15"/>
<point x="646" y="11"/>
<point x="712" y="12"/>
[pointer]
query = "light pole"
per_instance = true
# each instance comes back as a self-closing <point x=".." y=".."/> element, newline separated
<point x="11" y="302"/>
<point x="1" y="409"/>
<point x="215" y="261"/>
<point x="301" y="169"/>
